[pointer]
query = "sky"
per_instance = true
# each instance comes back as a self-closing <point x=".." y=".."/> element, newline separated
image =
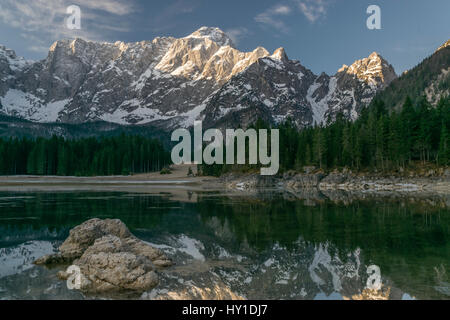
<point x="322" y="34"/>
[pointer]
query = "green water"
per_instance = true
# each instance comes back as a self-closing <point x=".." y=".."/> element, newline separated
<point x="265" y="246"/>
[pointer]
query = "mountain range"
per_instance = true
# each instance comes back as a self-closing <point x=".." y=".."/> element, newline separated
<point x="169" y="83"/>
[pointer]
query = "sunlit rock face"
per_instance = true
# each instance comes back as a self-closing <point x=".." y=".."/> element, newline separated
<point x="172" y="82"/>
<point x="444" y="45"/>
<point x="373" y="70"/>
<point x="351" y="88"/>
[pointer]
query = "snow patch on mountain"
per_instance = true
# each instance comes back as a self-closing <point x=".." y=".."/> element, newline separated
<point x="320" y="107"/>
<point x="26" y="105"/>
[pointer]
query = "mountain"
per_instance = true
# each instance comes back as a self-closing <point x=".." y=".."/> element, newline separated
<point x="275" y="88"/>
<point x="430" y="78"/>
<point x="169" y="82"/>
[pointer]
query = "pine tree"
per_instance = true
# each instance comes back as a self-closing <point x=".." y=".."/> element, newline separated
<point x="62" y="161"/>
<point x="347" y="147"/>
<point x="2" y="157"/>
<point x="408" y="128"/>
<point x="444" y="147"/>
<point x="320" y="148"/>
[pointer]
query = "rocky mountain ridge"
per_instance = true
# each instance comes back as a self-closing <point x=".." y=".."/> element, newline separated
<point x="169" y="82"/>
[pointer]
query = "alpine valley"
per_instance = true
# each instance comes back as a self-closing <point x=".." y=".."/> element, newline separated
<point x="85" y="87"/>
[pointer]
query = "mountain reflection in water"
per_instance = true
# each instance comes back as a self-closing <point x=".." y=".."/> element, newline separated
<point x="229" y="246"/>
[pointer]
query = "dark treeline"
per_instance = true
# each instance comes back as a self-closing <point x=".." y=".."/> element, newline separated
<point x="83" y="157"/>
<point x="379" y="140"/>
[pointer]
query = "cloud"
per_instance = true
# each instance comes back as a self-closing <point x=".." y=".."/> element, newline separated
<point x="43" y="21"/>
<point x="237" y="34"/>
<point x="283" y="10"/>
<point x="272" y="17"/>
<point x="111" y="6"/>
<point x="312" y="9"/>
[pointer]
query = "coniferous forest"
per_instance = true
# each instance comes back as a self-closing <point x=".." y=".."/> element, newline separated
<point x="379" y="139"/>
<point x="120" y="155"/>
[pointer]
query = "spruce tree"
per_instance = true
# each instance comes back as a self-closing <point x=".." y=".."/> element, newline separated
<point x="444" y="147"/>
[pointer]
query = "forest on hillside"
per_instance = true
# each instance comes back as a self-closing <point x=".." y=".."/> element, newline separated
<point x="379" y="139"/>
<point x="120" y="155"/>
<point x="416" y="80"/>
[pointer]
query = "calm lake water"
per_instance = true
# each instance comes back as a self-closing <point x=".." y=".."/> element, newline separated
<point x="264" y="246"/>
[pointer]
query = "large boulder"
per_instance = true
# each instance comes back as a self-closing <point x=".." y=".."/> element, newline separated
<point x="84" y="235"/>
<point x="111" y="264"/>
<point x="109" y="257"/>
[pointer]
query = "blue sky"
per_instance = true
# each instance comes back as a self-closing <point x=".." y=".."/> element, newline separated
<point x="322" y="34"/>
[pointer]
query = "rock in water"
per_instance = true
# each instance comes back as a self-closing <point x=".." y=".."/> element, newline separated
<point x="109" y="257"/>
<point x="84" y="235"/>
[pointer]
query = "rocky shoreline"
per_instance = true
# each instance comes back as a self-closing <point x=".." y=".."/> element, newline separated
<point x="433" y="181"/>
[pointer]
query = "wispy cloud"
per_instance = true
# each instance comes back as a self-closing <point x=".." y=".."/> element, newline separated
<point x="237" y="34"/>
<point x="312" y="9"/>
<point x="111" y="6"/>
<point x="42" y="21"/>
<point x="273" y="17"/>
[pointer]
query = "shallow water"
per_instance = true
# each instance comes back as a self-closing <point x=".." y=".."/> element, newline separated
<point x="264" y="246"/>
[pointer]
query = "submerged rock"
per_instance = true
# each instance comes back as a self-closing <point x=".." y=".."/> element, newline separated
<point x="109" y="257"/>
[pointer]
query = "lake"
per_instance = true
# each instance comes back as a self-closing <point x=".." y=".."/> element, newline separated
<point x="264" y="245"/>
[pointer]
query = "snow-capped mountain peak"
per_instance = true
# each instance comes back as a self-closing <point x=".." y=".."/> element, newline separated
<point x="280" y="54"/>
<point x="374" y="70"/>
<point x="214" y="34"/>
<point x="207" y="54"/>
<point x="350" y="89"/>
<point x="171" y="82"/>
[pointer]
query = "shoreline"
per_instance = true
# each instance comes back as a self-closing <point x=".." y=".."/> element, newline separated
<point x="341" y="181"/>
<point x="178" y="177"/>
<point x="290" y="182"/>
